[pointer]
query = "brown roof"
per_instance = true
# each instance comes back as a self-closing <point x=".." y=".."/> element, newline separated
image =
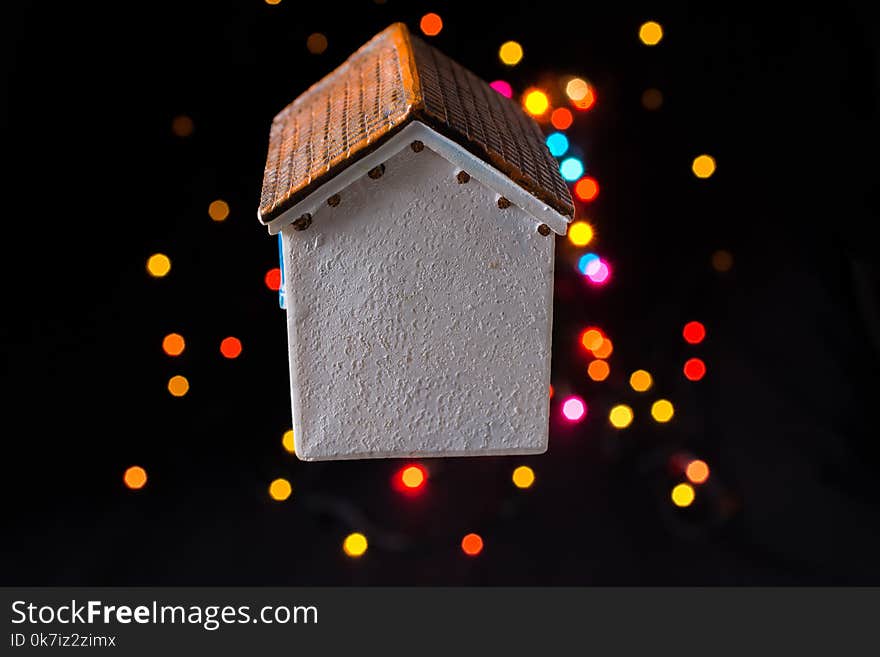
<point x="394" y="79"/>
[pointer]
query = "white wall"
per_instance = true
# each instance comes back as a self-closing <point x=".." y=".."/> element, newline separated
<point x="419" y="319"/>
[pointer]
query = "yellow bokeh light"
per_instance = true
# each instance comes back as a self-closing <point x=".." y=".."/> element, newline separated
<point x="662" y="410"/>
<point x="218" y="210"/>
<point x="316" y="43"/>
<point x="510" y="53"/>
<point x="598" y="370"/>
<point x="650" y="33"/>
<point x="287" y="441"/>
<point x="722" y="261"/>
<point x="577" y="89"/>
<point x="178" y="386"/>
<point x="703" y="166"/>
<point x="580" y="233"/>
<point x="158" y="265"/>
<point x="536" y="102"/>
<point x="523" y="477"/>
<point x="273" y="2"/>
<point x="621" y="416"/>
<point x="280" y="489"/>
<point x="640" y="380"/>
<point x="354" y="544"/>
<point x="683" y="495"/>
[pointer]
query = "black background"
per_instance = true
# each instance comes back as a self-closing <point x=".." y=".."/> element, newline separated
<point x="95" y="182"/>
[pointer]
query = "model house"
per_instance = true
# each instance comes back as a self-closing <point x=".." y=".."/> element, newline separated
<point x="417" y="209"/>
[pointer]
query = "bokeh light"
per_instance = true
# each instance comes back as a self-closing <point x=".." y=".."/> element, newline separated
<point x="316" y="43"/>
<point x="588" y="264"/>
<point x="135" y="477"/>
<point x="694" y="332"/>
<point x="652" y="99"/>
<point x="697" y="471"/>
<point x="273" y="2"/>
<point x="580" y="233"/>
<point x="287" y="441"/>
<point x="280" y="489"/>
<point x="598" y="370"/>
<point x="173" y="344"/>
<point x="586" y="189"/>
<point x="662" y="410"/>
<point x="411" y="478"/>
<point x="640" y="380"/>
<point x="703" y="166"/>
<point x="523" y="477"/>
<point x="571" y="168"/>
<point x="604" y="350"/>
<point x="592" y="338"/>
<point x="682" y="495"/>
<point x="503" y="88"/>
<point x="273" y="279"/>
<point x="355" y="545"/>
<point x="178" y="385"/>
<point x="472" y="545"/>
<point x="536" y="102"/>
<point x="510" y="53"/>
<point x="561" y="118"/>
<point x="586" y="102"/>
<point x="601" y="274"/>
<point x="694" y="369"/>
<point x="574" y="409"/>
<point x="218" y="210"/>
<point x="230" y="347"/>
<point x="650" y="33"/>
<point x="158" y="265"/>
<point x="621" y="416"/>
<point x="557" y="144"/>
<point x="182" y="126"/>
<point x="431" y="24"/>
<point x="551" y="391"/>
<point x="577" y="89"/>
<point x="722" y="261"/>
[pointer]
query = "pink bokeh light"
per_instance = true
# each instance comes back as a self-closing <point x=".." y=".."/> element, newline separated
<point x="574" y="409"/>
<point x="601" y="275"/>
<point x="503" y="88"/>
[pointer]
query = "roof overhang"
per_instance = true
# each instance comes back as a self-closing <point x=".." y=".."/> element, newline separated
<point x="478" y="168"/>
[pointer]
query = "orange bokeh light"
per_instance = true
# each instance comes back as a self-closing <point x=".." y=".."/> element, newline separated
<point x="431" y="24"/>
<point x="604" y="350"/>
<point x="562" y="118"/>
<point x="694" y="369"/>
<point x="592" y="338"/>
<point x="173" y="344"/>
<point x="472" y="545"/>
<point x="587" y="101"/>
<point x="697" y="471"/>
<point x="135" y="477"/>
<point x="598" y="370"/>
<point x="413" y="477"/>
<point x="586" y="189"/>
<point x="230" y="347"/>
<point x="551" y="391"/>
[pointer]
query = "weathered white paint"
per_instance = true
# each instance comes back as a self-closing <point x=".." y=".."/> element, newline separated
<point x="419" y="318"/>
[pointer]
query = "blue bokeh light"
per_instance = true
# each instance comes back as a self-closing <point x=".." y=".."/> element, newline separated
<point x="571" y="168"/>
<point x="558" y="144"/>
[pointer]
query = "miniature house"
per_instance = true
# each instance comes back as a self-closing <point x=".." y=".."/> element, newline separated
<point x="416" y="208"/>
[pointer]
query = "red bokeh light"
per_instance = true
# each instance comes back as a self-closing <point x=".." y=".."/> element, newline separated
<point x="230" y="347"/>
<point x="694" y="332"/>
<point x="695" y="369"/>
<point x="586" y="189"/>
<point x="273" y="279"/>
<point x="561" y="118"/>
<point x="410" y="478"/>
